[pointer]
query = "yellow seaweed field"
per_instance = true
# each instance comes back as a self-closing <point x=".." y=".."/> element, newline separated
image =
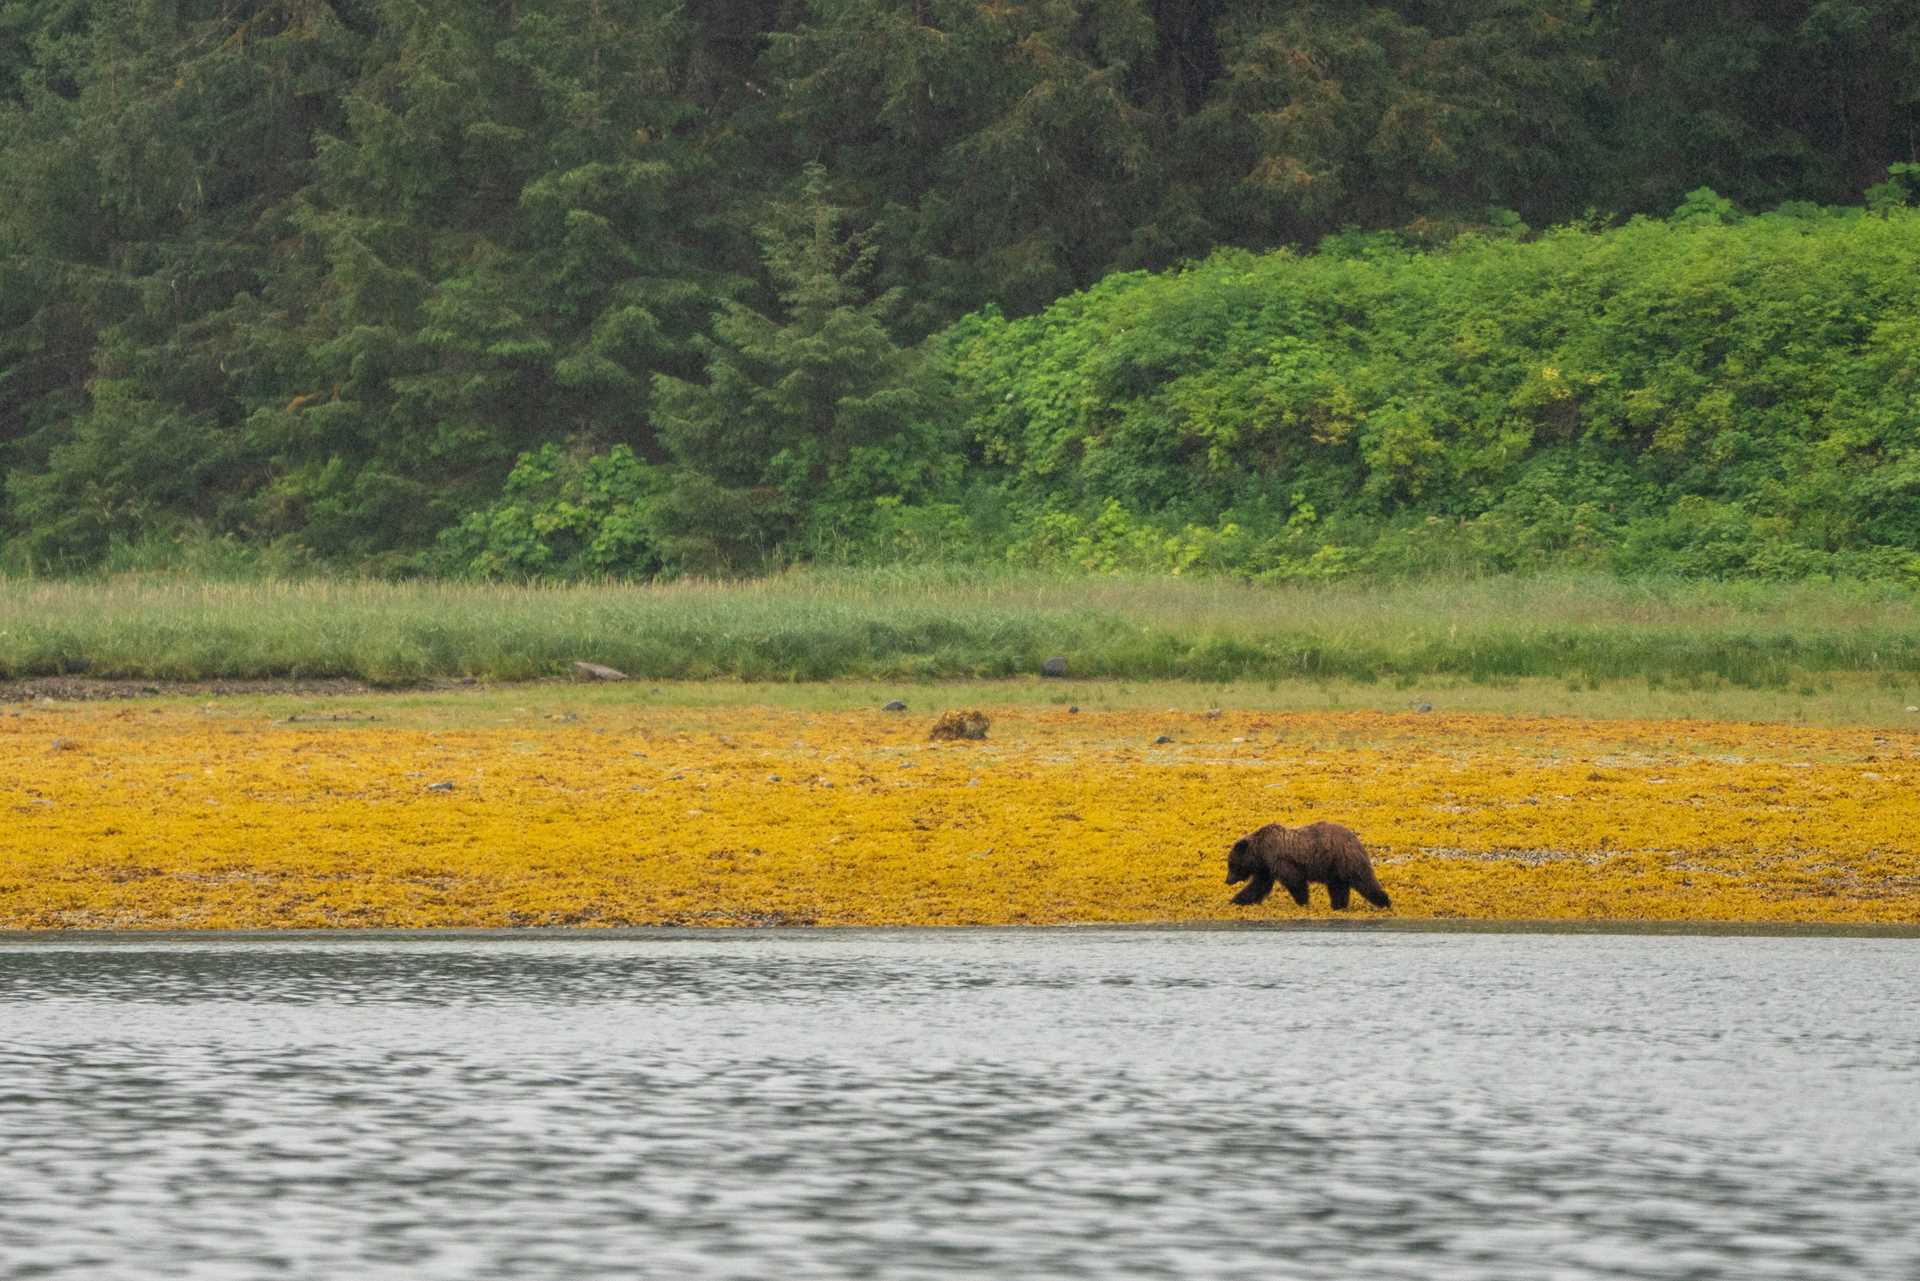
<point x="182" y="815"/>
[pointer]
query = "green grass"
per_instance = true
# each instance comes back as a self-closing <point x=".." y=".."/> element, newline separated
<point x="683" y="706"/>
<point x="945" y="624"/>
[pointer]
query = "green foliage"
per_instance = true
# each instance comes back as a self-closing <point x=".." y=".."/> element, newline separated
<point x="1806" y="99"/>
<point x="312" y="276"/>
<point x="1397" y="115"/>
<point x="1704" y="206"/>
<point x="1694" y="397"/>
<point x="800" y="423"/>
<point x="505" y="242"/>
<point x="1008" y="151"/>
<point x="129" y="466"/>
<point x="1903" y="180"/>
<point x="561" y="515"/>
<point x="361" y="261"/>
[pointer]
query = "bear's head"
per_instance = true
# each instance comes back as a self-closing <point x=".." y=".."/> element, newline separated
<point x="1241" y="863"/>
<point x="1245" y="864"/>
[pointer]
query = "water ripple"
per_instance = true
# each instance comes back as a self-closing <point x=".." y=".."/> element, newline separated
<point x="1059" y="1104"/>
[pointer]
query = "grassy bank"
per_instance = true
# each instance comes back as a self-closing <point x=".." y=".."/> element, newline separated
<point x="601" y="807"/>
<point x="927" y="624"/>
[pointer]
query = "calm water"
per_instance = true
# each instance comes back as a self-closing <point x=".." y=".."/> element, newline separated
<point x="982" y="1104"/>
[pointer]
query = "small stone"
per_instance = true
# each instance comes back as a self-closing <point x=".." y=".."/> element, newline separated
<point x="895" y="706"/>
<point x="598" y="672"/>
<point x="1424" y="707"/>
<point x="61" y="745"/>
<point x="1055" y="666"/>
<point x="1162" y="739"/>
<point x="1213" y="713"/>
<point x="439" y="787"/>
<point x="1914" y="709"/>
<point x="773" y="778"/>
<point x="1073" y="710"/>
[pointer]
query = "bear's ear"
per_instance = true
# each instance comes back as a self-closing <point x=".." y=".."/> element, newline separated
<point x="1240" y="846"/>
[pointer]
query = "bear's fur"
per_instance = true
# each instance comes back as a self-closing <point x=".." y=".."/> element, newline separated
<point x="960" y="725"/>
<point x="1296" y="856"/>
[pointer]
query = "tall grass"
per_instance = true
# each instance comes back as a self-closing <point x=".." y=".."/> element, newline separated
<point x="943" y="623"/>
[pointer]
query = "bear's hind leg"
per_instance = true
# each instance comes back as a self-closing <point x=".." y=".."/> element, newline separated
<point x="1337" y="893"/>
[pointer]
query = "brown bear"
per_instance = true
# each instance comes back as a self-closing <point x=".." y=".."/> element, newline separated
<point x="1295" y="856"/>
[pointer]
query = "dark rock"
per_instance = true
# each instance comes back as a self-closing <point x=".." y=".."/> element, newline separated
<point x="1072" y="710"/>
<point x="439" y="787"/>
<point x="895" y="706"/>
<point x="1162" y="739"/>
<point x="1055" y="666"/>
<point x="1424" y="707"/>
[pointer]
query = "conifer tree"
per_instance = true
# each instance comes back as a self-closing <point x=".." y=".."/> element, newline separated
<point x="803" y="419"/>
<point x="151" y="152"/>
<point x="514" y="236"/>
<point x="1011" y="151"/>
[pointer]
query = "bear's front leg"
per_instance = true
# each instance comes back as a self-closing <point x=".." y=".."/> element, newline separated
<point x="1256" y="889"/>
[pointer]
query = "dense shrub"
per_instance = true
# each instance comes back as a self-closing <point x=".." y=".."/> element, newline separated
<point x="561" y="515"/>
<point x="1701" y="396"/>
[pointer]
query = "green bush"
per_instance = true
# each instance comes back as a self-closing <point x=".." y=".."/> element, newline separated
<point x="1714" y="395"/>
<point x="561" y="515"/>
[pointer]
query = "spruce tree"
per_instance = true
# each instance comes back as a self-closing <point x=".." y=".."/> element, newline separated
<point x="804" y="419"/>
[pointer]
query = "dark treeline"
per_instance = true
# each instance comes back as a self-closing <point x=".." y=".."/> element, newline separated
<point x="313" y="275"/>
